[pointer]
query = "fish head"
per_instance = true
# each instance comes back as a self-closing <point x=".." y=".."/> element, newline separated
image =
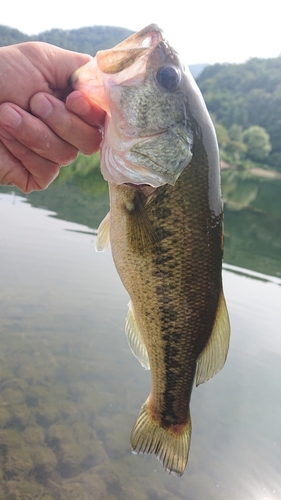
<point x="140" y="84"/>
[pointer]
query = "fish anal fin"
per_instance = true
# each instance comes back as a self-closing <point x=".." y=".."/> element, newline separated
<point x="103" y="236"/>
<point x="212" y="358"/>
<point x="134" y="338"/>
<point x="170" y="447"/>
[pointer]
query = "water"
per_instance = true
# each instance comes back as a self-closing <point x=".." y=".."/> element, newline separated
<point x="70" y="389"/>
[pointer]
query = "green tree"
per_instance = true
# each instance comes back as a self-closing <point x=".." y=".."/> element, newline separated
<point x="257" y="141"/>
<point x="235" y="132"/>
<point x="222" y="135"/>
<point x="247" y="94"/>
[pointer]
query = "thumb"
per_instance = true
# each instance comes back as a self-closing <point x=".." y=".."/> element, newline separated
<point x="61" y="64"/>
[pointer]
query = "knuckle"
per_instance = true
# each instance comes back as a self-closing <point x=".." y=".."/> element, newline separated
<point x="69" y="157"/>
<point x="91" y="145"/>
<point x="35" y="183"/>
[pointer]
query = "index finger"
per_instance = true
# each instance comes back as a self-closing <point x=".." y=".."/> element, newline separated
<point x="65" y="124"/>
<point x="90" y="113"/>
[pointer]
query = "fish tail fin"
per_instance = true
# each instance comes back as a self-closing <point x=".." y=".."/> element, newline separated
<point x="170" y="445"/>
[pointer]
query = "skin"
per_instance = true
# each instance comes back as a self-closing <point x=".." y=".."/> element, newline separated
<point x="42" y="124"/>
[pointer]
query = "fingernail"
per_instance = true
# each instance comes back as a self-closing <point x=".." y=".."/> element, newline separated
<point x="41" y="106"/>
<point x="9" y="117"/>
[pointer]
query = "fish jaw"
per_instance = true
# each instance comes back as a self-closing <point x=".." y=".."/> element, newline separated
<point x="139" y="147"/>
<point x="90" y="79"/>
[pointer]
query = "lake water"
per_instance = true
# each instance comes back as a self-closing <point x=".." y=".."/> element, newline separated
<point x="70" y="389"/>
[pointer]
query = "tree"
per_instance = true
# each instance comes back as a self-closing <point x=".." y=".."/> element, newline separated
<point x="257" y="141"/>
<point x="247" y="94"/>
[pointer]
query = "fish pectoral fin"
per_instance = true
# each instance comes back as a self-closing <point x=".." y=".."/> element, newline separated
<point x="171" y="446"/>
<point x="212" y="358"/>
<point x="134" y="338"/>
<point x="141" y="234"/>
<point x="103" y="236"/>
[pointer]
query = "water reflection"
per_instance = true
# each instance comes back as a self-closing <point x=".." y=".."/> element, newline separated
<point x="252" y="212"/>
<point x="252" y="222"/>
<point x="70" y="389"/>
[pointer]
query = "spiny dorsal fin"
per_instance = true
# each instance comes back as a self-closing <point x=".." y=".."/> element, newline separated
<point x="171" y="448"/>
<point x="102" y="240"/>
<point x="212" y="358"/>
<point x="134" y="338"/>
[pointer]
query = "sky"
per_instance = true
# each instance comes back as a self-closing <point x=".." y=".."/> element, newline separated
<point x="202" y="31"/>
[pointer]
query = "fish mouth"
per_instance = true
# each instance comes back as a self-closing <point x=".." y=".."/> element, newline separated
<point x="114" y="61"/>
<point x="124" y="54"/>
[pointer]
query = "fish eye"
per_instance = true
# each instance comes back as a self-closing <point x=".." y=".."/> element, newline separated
<point x="168" y="77"/>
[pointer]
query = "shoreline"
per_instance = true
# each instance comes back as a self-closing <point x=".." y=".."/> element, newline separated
<point x="256" y="171"/>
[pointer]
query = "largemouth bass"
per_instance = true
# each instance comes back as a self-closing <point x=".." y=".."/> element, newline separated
<point x="160" y="157"/>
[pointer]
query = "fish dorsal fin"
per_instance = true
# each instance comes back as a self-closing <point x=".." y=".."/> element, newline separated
<point x="102" y="240"/>
<point x="134" y="338"/>
<point x="212" y="358"/>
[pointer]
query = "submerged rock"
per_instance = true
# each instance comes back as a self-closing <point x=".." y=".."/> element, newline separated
<point x="46" y="414"/>
<point x="12" y="396"/>
<point x="11" y="438"/>
<point x="34" y="435"/>
<point x="77" y="447"/>
<point x="45" y="462"/>
<point x="4" y="416"/>
<point x="24" y="489"/>
<point x="20" y="416"/>
<point x="17" y="464"/>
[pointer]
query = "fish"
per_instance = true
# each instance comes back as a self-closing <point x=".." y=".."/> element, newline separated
<point x="160" y="156"/>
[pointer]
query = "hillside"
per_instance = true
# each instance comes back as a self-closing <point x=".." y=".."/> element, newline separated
<point x="8" y="36"/>
<point x="89" y="39"/>
<point x="245" y="102"/>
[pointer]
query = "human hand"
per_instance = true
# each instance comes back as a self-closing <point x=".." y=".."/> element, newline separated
<point x="34" y="146"/>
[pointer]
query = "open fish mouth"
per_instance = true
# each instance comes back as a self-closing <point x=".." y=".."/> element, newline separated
<point x="125" y="54"/>
<point x="116" y="60"/>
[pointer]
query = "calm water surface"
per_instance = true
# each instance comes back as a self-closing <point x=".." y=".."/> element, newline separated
<point x="70" y="389"/>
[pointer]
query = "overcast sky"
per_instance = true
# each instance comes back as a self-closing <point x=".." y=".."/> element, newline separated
<point x="200" y="30"/>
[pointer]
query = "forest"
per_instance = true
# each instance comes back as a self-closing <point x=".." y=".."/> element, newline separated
<point x="245" y="103"/>
<point x="244" y="100"/>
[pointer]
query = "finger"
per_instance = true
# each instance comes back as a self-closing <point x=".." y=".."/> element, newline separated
<point x="55" y="64"/>
<point x="91" y="113"/>
<point x="35" y="135"/>
<point x="13" y="172"/>
<point x="66" y="124"/>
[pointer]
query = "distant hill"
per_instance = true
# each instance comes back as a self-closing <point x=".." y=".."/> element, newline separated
<point x="197" y="69"/>
<point x="9" y="36"/>
<point x="89" y="40"/>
